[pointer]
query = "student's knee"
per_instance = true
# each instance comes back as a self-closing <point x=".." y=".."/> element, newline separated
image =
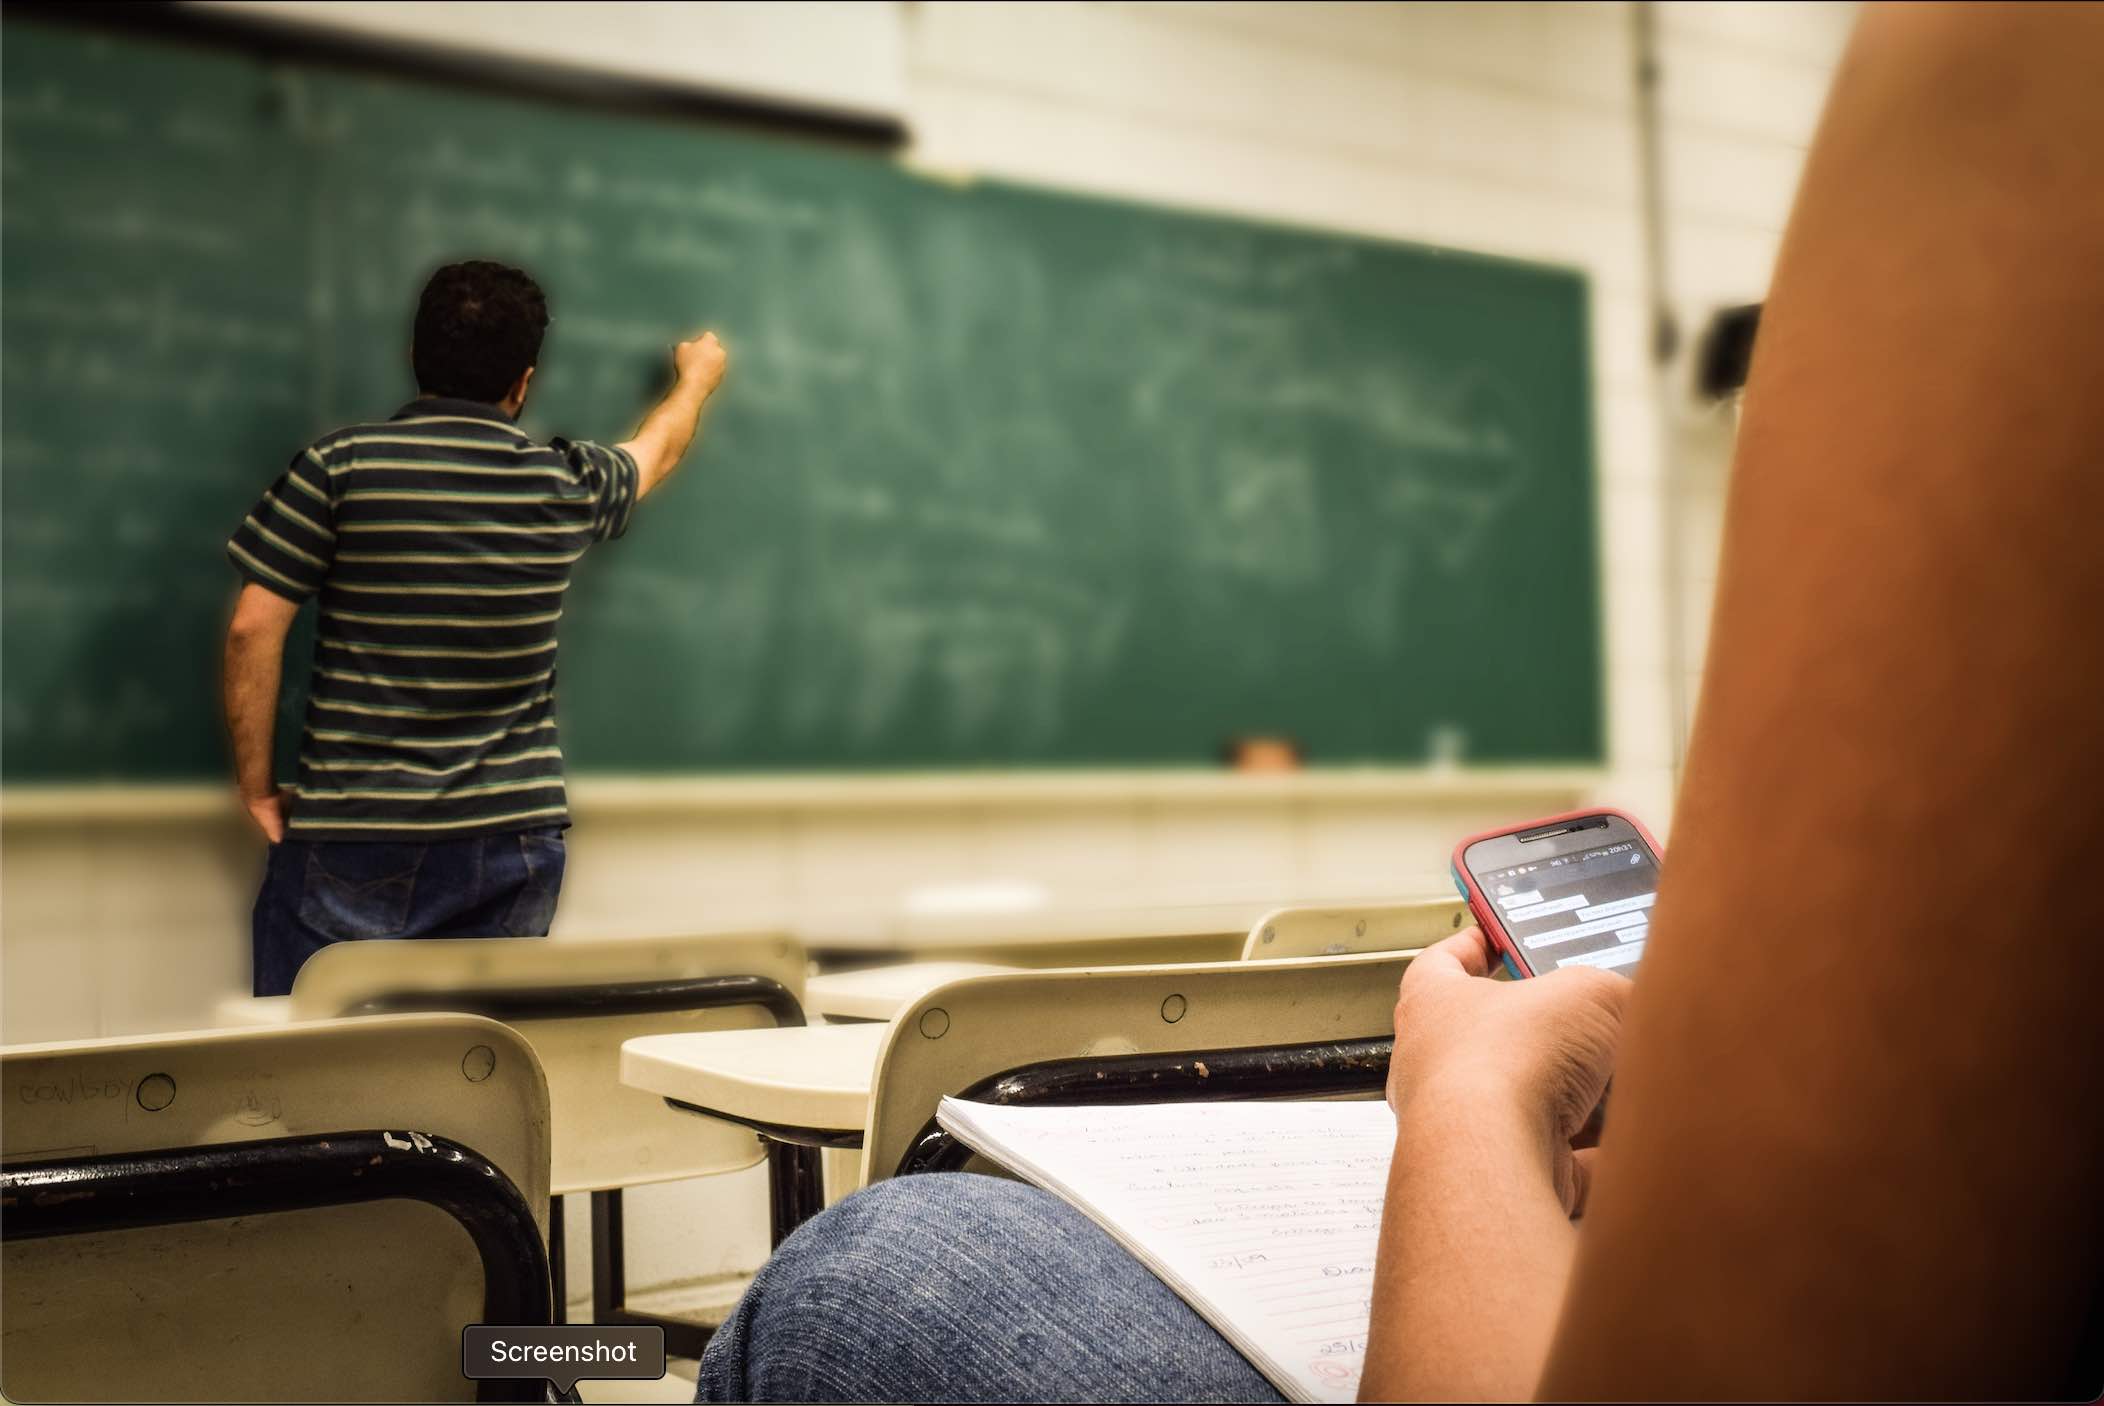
<point x="916" y="1231"/>
<point x="852" y="1302"/>
<point x="896" y="1218"/>
<point x="965" y="1288"/>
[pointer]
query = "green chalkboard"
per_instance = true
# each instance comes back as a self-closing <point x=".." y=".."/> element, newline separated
<point x="1001" y="477"/>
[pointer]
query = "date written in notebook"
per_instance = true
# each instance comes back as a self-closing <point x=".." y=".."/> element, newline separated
<point x="1264" y="1217"/>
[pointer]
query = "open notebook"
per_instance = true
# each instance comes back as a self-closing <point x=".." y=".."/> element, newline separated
<point x="1263" y="1216"/>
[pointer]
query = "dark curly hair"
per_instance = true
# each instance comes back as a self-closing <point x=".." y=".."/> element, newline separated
<point x="478" y="327"/>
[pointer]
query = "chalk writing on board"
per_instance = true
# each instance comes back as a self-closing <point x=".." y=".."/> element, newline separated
<point x="160" y="316"/>
<point x="49" y="104"/>
<point x="204" y="132"/>
<point x="143" y="225"/>
<point x="671" y="247"/>
<point x="1000" y="475"/>
<point x="448" y="161"/>
<point x="83" y="362"/>
<point x="734" y="200"/>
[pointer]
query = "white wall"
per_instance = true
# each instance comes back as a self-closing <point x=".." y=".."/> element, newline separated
<point x="1743" y="85"/>
<point x="1510" y="128"/>
<point x="834" y="54"/>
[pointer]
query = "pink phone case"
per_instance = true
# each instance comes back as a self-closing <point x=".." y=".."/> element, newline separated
<point x="1486" y="913"/>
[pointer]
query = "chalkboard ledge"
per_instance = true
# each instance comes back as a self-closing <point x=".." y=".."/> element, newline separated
<point x="616" y="796"/>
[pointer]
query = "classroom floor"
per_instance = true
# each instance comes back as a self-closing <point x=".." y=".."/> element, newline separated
<point x="676" y="1385"/>
<point x="703" y="1300"/>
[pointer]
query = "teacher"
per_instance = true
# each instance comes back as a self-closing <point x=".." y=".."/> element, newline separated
<point x="440" y="541"/>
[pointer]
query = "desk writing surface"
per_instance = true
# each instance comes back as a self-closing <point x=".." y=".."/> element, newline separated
<point x="815" y="1076"/>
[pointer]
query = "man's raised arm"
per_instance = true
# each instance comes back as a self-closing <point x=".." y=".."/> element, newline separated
<point x="668" y="429"/>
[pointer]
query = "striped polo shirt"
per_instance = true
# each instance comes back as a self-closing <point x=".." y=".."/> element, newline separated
<point x="441" y="542"/>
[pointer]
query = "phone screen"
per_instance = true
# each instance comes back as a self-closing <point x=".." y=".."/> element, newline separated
<point x="1591" y="908"/>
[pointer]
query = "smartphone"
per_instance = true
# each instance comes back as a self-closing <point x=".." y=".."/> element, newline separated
<point x="1571" y="890"/>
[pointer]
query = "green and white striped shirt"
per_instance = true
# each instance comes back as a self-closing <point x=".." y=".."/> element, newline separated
<point x="441" y="543"/>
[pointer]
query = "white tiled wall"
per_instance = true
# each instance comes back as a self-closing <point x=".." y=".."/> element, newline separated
<point x="1509" y="128"/>
<point x="839" y="54"/>
<point x="1742" y="87"/>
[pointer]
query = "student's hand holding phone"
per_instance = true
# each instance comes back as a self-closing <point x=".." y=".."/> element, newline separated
<point x="1539" y="1051"/>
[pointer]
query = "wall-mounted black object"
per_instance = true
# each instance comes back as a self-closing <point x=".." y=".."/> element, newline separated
<point x="1726" y="352"/>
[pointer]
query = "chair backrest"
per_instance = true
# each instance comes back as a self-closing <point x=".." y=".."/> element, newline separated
<point x="337" y="1301"/>
<point x="969" y="1030"/>
<point x="576" y="1001"/>
<point x="1065" y="936"/>
<point x="1327" y="932"/>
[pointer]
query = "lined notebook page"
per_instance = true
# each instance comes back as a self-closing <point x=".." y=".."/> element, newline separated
<point x="1263" y="1216"/>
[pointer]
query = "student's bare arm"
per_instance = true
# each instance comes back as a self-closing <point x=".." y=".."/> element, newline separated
<point x="1489" y="1081"/>
<point x="255" y="658"/>
<point x="657" y="447"/>
<point x="1855" y="1140"/>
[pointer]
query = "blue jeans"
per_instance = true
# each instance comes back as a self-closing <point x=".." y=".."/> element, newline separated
<point x="317" y="892"/>
<point x="952" y="1287"/>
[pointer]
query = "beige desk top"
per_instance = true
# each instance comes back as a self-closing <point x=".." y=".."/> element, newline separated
<point x="253" y="1010"/>
<point x="814" y="1077"/>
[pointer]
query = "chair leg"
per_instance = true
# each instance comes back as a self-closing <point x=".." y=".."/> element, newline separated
<point x="558" y="1262"/>
<point x="610" y="1282"/>
<point x="609" y="1256"/>
<point x="795" y="1186"/>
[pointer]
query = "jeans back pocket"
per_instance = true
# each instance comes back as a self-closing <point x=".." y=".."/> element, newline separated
<point x="541" y="859"/>
<point x="359" y="891"/>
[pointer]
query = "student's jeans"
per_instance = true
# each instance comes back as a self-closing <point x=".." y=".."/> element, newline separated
<point x="318" y="892"/>
<point x="952" y="1287"/>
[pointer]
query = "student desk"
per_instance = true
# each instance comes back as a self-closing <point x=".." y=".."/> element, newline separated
<point x="235" y="1012"/>
<point x="949" y="946"/>
<point x="879" y="993"/>
<point x="800" y="1089"/>
<point x="1057" y="936"/>
<point x="1305" y="1027"/>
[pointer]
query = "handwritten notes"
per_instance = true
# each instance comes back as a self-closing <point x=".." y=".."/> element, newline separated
<point x="1264" y="1217"/>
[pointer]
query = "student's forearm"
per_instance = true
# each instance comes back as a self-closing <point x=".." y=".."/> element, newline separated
<point x="1475" y="1250"/>
<point x="254" y="666"/>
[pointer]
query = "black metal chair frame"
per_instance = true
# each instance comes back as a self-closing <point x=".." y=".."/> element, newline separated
<point x="607" y="1001"/>
<point x="1320" y="1069"/>
<point x="177" y="1186"/>
<point x="795" y="1173"/>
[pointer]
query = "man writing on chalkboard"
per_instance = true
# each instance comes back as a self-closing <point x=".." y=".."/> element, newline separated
<point x="430" y="800"/>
